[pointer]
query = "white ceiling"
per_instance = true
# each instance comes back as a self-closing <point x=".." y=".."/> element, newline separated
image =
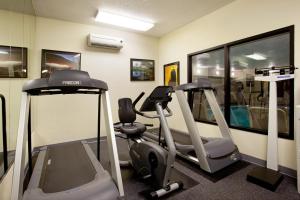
<point x="21" y="6"/>
<point x="167" y="14"/>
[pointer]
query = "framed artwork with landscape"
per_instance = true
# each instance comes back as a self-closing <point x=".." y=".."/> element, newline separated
<point x="59" y="60"/>
<point x="171" y="74"/>
<point x="13" y="62"/>
<point x="142" y="69"/>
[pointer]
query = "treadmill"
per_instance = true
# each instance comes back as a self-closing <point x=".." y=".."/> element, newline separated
<point x="211" y="154"/>
<point x="72" y="170"/>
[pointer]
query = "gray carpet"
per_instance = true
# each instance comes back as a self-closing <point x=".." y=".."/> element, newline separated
<point x="232" y="187"/>
<point x="11" y="157"/>
<point x="235" y="187"/>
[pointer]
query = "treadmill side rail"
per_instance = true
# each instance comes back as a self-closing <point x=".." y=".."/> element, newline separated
<point x="213" y="104"/>
<point x="112" y="146"/>
<point x="215" y="153"/>
<point x="193" y="130"/>
<point x="18" y="171"/>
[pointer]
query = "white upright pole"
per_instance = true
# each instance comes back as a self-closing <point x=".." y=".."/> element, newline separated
<point x="297" y="132"/>
<point x="193" y="130"/>
<point x="19" y="164"/>
<point x="112" y="146"/>
<point x="272" y="151"/>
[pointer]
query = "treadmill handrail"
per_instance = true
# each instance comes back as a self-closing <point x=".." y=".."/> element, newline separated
<point x="200" y="84"/>
<point x="4" y="133"/>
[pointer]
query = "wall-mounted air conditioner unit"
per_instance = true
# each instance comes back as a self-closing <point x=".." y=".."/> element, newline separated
<point x="102" y="41"/>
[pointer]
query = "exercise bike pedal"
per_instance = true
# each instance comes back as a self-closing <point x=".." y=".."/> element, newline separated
<point x="166" y="190"/>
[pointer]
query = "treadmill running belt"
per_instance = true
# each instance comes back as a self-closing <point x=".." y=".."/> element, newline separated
<point x="67" y="166"/>
<point x="181" y="138"/>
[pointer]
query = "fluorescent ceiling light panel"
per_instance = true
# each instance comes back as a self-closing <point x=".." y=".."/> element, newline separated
<point x="122" y="21"/>
<point x="256" y="56"/>
<point x="3" y="52"/>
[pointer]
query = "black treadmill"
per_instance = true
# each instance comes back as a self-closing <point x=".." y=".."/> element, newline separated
<point x="66" y="171"/>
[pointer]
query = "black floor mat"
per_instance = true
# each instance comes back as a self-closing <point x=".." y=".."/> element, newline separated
<point x="217" y="176"/>
<point x="134" y="187"/>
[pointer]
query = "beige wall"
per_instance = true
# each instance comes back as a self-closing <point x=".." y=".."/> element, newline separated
<point x="240" y="19"/>
<point x="65" y="118"/>
<point x="16" y="30"/>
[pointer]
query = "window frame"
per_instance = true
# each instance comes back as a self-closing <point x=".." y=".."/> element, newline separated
<point x="227" y="86"/>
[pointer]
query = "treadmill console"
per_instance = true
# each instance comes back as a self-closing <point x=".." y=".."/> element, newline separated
<point x="161" y="94"/>
<point x="65" y="82"/>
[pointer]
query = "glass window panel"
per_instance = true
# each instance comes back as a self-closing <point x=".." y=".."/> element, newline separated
<point x="249" y="98"/>
<point x="208" y="65"/>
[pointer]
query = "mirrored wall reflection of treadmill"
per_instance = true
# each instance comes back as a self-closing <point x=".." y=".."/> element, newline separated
<point x="212" y="154"/>
<point x="66" y="171"/>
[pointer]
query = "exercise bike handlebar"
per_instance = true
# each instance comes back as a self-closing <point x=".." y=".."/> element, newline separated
<point x="138" y="99"/>
<point x="135" y="102"/>
<point x="168" y="114"/>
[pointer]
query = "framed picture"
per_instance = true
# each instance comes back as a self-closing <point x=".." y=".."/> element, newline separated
<point x="141" y="70"/>
<point x="13" y="62"/>
<point x="171" y="74"/>
<point x="58" y="60"/>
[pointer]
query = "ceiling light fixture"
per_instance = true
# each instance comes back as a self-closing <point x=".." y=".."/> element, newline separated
<point x="3" y="52"/>
<point x="256" y="56"/>
<point x="122" y="21"/>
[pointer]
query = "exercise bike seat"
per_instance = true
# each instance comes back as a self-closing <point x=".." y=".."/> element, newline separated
<point x="133" y="129"/>
<point x="127" y="117"/>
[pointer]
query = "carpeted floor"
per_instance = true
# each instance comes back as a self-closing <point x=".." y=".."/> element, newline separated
<point x="11" y="157"/>
<point x="134" y="187"/>
<point x="233" y="186"/>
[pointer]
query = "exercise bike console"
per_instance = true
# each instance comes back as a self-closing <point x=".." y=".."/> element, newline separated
<point x="160" y="95"/>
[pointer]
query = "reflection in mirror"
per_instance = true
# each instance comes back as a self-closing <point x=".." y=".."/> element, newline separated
<point x="208" y="65"/>
<point x="249" y="98"/>
<point x="246" y="104"/>
<point x="17" y="24"/>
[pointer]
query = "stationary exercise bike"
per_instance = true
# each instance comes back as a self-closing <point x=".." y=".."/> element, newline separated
<point x="149" y="159"/>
